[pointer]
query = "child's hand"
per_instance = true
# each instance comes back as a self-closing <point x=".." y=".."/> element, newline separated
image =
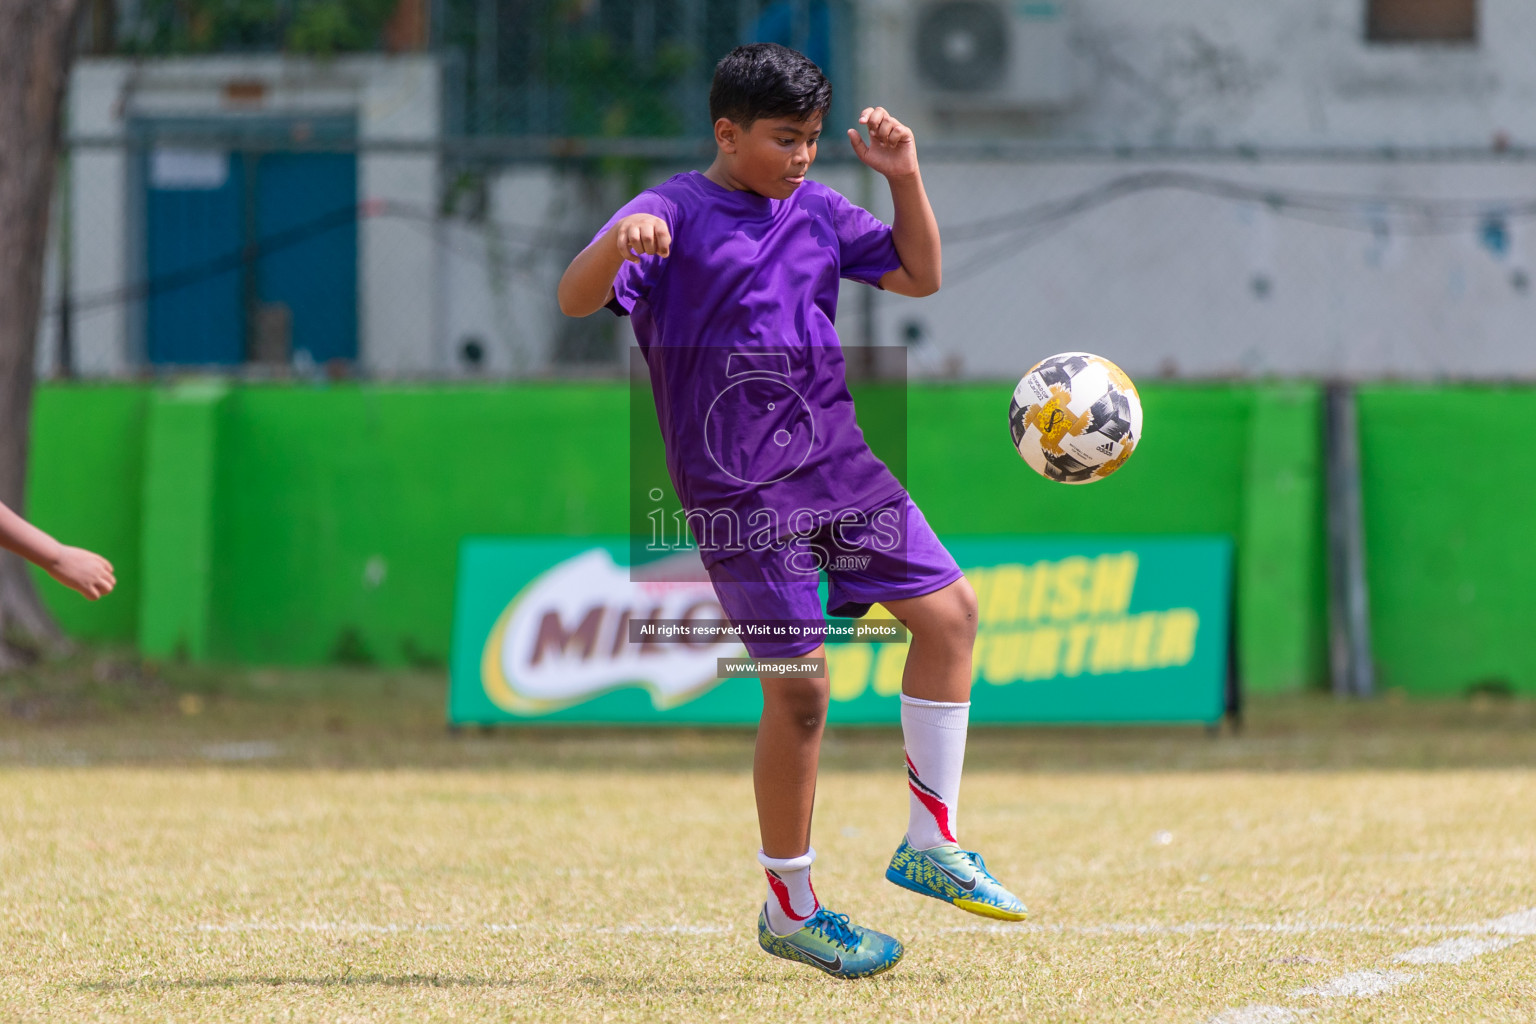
<point x="641" y="234"/>
<point x="84" y="571"/>
<point x="892" y="148"/>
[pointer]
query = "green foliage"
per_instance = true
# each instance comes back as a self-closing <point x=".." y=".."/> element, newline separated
<point x="315" y="27"/>
<point x="610" y="94"/>
<point x="325" y="27"/>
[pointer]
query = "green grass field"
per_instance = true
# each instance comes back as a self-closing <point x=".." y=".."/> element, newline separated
<point x="315" y="846"/>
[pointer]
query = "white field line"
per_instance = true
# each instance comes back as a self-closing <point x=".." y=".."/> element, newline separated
<point x="1356" y="985"/>
<point x="1259" y="1015"/>
<point x="1501" y="933"/>
<point x="1521" y="922"/>
<point x="1455" y="951"/>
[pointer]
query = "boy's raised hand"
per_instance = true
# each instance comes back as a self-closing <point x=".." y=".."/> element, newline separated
<point x="642" y="234"/>
<point x="82" y="570"/>
<point x="892" y="148"/>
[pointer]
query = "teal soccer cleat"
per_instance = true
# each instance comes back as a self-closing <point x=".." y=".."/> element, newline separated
<point x="829" y="943"/>
<point x="955" y="876"/>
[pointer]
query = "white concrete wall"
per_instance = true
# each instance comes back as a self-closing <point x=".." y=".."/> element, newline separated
<point x="503" y="262"/>
<point x="1214" y="73"/>
<point x="98" y="196"/>
<point x="399" y="283"/>
<point x="395" y="100"/>
<point x="1168" y="283"/>
<point x="1181" y="284"/>
<point x="1184" y="284"/>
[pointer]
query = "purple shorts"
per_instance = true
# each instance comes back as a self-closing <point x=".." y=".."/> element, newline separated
<point x="889" y="553"/>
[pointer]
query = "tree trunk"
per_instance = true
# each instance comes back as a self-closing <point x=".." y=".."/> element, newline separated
<point x="37" y="41"/>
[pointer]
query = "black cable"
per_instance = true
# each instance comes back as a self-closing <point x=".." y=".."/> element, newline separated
<point x="1016" y="230"/>
<point x="297" y="235"/>
<point x="232" y="260"/>
<point x="1330" y="209"/>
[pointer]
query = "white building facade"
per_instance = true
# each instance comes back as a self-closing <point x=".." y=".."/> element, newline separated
<point x="1197" y="190"/>
<point x="1331" y="205"/>
<point x="122" y="111"/>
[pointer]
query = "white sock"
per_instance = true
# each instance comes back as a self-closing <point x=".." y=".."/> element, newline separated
<point x="935" y="739"/>
<point x="791" y="900"/>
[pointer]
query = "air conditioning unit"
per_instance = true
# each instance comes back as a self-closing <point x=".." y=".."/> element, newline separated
<point x="994" y="54"/>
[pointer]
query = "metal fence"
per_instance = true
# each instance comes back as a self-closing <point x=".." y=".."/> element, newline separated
<point x="262" y="256"/>
<point x="618" y="68"/>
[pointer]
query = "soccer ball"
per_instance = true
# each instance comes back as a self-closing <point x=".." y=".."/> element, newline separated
<point x="1075" y="418"/>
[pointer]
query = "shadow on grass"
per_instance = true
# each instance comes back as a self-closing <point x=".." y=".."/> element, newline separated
<point x="441" y="981"/>
<point x="301" y="981"/>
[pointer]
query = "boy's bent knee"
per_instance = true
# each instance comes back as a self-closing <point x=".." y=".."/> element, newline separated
<point x="951" y="615"/>
<point x="803" y="699"/>
<point x="965" y="607"/>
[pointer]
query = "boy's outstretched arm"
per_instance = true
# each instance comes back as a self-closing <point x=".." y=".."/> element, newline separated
<point x="587" y="284"/>
<point x="76" y="568"/>
<point x="892" y="151"/>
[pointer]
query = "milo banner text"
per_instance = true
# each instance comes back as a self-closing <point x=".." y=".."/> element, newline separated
<point x="1097" y="629"/>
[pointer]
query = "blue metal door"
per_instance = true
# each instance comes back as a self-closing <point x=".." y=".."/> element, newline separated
<point x="306" y="211"/>
<point x="250" y="243"/>
<point x="193" y="230"/>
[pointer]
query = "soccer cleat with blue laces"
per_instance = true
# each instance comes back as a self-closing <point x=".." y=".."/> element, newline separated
<point x="956" y="876"/>
<point x="829" y="943"/>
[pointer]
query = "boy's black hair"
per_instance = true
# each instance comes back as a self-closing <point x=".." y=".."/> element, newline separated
<point x="767" y="80"/>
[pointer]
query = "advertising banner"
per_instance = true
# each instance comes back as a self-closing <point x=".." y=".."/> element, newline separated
<point x="1071" y="629"/>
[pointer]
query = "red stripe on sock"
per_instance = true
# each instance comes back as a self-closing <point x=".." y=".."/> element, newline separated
<point x="781" y="891"/>
<point x="929" y="799"/>
<point x="937" y="808"/>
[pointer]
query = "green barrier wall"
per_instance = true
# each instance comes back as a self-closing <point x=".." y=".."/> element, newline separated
<point x="293" y="525"/>
<point x="1450" y="563"/>
<point x="340" y="512"/>
<point x="85" y="485"/>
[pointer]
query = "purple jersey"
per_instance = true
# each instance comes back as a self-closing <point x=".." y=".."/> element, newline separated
<point x="746" y="367"/>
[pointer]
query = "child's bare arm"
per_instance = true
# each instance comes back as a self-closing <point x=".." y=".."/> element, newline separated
<point x="76" y="568"/>
<point x="587" y="285"/>
<point x="892" y="151"/>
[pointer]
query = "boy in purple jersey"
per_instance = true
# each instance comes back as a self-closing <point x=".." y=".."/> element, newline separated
<point x="731" y="279"/>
